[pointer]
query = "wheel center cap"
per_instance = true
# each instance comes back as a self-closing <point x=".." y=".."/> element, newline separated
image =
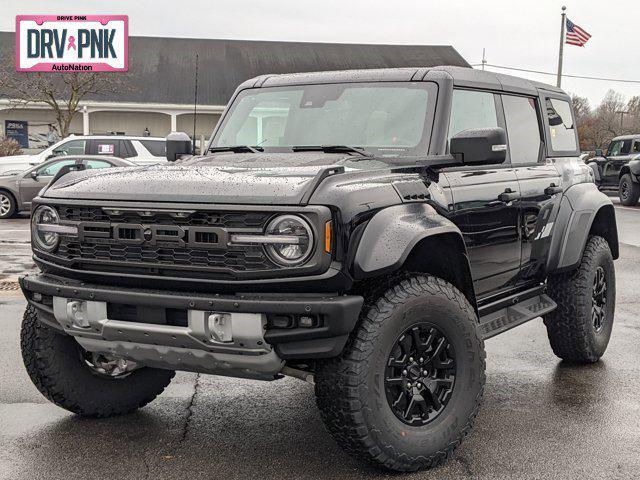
<point x="414" y="372"/>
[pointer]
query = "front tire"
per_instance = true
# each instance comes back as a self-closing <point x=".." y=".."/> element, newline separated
<point x="580" y="328"/>
<point x="629" y="191"/>
<point x="56" y="365"/>
<point x="407" y="388"/>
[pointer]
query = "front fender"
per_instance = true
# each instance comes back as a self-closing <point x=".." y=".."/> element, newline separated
<point x="392" y="233"/>
<point x="632" y="167"/>
<point x="580" y="206"/>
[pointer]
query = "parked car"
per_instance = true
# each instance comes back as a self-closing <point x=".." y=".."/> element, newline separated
<point x="368" y="237"/>
<point x="18" y="190"/>
<point x="140" y="150"/>
<point x="619" y="169"/>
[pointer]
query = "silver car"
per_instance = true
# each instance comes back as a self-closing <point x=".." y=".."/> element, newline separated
<point x="17" y="190"/>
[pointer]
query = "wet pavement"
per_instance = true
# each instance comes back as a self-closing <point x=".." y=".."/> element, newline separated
<point x="541" y="418"/>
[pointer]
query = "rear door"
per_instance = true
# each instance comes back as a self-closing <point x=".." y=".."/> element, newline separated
<point x="485" y="205"/>
<point x="540" y="182"/>
<point x="618" y="154"/>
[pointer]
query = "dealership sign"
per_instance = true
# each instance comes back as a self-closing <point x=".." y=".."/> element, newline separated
<point x="72" y="43"/>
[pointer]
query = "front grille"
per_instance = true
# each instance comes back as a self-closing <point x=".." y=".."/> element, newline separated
<point x="108" y="243"/>
<point x="213" y="218"/>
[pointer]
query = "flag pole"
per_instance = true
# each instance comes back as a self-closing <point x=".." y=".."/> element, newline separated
<point x="561" y="52"/>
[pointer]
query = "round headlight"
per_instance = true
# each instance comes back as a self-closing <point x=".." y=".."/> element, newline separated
<point x="43" y="238"/>
<point x="297" y="240"/>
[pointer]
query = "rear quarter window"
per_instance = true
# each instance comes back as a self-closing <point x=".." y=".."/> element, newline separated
<point x="157" y="148"/>
<point x="561" y="127"/>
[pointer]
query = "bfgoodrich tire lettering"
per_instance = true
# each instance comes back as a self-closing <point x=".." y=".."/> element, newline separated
<point x="350" y="389"/>
<point x="54" y="364"/>
<point x="576" y="332"/>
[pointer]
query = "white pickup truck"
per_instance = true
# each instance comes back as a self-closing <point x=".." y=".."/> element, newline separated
<point x="141" y="150"/>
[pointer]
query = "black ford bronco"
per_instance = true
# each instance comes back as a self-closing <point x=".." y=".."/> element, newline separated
<point x="365" y="231"/>
<point x="619" y="168"/>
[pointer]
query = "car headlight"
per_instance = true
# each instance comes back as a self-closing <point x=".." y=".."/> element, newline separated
<point x="296" y="236"/>
<point x="44" y="231"/>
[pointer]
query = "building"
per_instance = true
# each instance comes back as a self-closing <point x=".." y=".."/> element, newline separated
<point x="160" y="85"/>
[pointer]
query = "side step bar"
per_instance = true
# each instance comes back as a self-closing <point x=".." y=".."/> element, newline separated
<point x="506" y="318"/>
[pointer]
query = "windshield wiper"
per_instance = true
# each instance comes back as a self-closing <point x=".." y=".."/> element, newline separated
<point x="332" y="149"/>
<point x="237" y="149"/>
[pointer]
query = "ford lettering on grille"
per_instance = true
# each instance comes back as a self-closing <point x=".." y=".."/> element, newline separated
<point x="137" y="234"/>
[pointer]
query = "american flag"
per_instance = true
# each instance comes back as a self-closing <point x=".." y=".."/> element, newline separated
<point x="576" y="35"/>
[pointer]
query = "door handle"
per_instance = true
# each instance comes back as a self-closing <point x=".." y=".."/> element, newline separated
<point x="552" y="190"/>
<point x="508" y="195"/>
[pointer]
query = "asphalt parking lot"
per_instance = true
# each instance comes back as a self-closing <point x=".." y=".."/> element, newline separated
<point x="541" y="418"/>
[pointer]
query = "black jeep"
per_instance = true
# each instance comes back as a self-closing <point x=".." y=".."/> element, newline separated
<point x="362" y="230"/>
<point x="619" y="168"/>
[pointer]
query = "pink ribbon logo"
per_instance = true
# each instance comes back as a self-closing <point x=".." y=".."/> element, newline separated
<point x="72" y="43"/>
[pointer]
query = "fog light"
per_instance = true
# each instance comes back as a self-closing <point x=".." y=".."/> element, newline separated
<point x="221" y="327"/>
<point x="281" y="321"/>
<point x="308" y="321"/>
<point x="77" y="312"/>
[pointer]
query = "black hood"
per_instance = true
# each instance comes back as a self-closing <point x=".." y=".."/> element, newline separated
<point x="260" y="178"/>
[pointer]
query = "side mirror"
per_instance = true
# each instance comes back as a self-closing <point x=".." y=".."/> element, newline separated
<point x="178" y="145"/>
<point x="34" y="175"/>
<point x="599" y="152"/>
<point x="480" y="146"/>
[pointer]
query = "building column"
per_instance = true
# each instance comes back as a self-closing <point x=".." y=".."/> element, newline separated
<point x="85" y="121"/>
<point x="174" y="122"/>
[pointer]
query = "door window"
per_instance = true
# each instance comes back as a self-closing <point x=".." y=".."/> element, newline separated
<point x="97" y="164"/>
<point x="72" y="147"/>
<point x="523" y="129"/>
<point x="471" y="109"/>
<point x="54" y="167"/>
<point x="626" y="147"/>
<point x="106" y="147"/>
<point x="636" y="146"/>
<point x="561" y="128"/>
<point x="614" y="148"/>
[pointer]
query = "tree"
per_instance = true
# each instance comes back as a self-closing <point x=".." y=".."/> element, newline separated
<point x="581" y="107"/>
<point x="62" y="92"/>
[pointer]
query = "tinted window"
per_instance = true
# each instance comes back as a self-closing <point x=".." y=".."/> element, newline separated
<point x="636" y="147"/>
<point x="53" y="168"/>
<point x="107" y="147"/>
<point x="97" y="164"/>
<point x="157" y="148"/>
<point x="522" y="129"/>
<point x="626" y="147"/>
<point x="72" y="147"/>
<point x="561" y="128"/>
<point x="472" y="110"/>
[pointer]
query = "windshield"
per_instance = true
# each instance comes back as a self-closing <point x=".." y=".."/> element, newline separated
<point x="384" y="119"/>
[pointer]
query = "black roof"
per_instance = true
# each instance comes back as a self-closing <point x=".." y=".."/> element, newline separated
<point x="163" y="68"/>
<point x="463" y="77"/>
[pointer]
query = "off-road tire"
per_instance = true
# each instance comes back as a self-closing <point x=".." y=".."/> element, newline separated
<point x="570" y="327"/>
<point x="6" y="197"/>
<point x="350" y="388"/>
<point x="54" y="364"/>
<point x="628" y="190"/>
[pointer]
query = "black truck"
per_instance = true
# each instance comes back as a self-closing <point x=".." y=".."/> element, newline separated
<point x="619" y="168"/>
<point x="365" y="231"/>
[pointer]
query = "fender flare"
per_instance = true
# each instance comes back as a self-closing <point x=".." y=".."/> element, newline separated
<point x="579" y="207"/>
<point x="633" y="167"/>
<point x="393" y="232"/>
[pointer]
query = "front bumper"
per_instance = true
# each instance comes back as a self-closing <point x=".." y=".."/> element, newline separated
<point x="173" y="330"/>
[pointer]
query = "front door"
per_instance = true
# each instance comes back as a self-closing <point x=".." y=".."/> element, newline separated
<point x="31" y="186"/>
<point x="618" y="154"/>
<point x="485" y="199"/>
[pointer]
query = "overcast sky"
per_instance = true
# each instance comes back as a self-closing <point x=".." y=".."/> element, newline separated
<point x="522" y="34"/>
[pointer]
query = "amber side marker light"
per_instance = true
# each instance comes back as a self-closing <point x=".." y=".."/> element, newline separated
<point x="327" y="236"/>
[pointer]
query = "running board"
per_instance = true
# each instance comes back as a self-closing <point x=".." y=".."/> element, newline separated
<point x="509" y="317"/>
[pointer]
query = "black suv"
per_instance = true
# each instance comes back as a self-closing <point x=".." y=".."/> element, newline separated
<point x="619" y="168"/>
<point x="362" y="230"/>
